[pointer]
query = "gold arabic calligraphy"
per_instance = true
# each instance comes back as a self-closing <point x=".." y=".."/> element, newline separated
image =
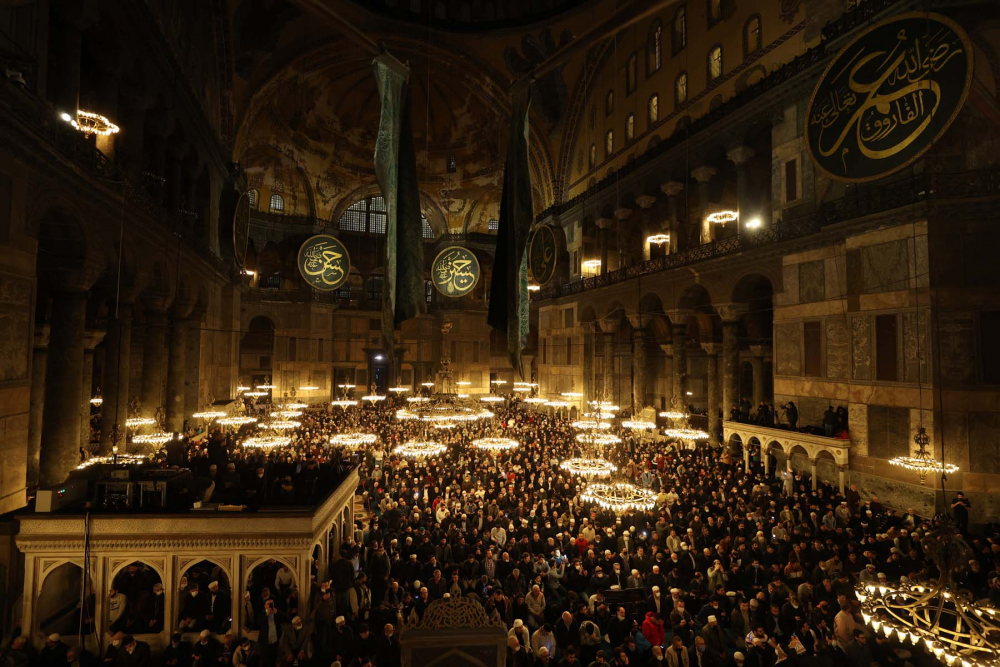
<point x="892" y="108"/>
<point x="455" y="272"/>
<point x="323" y="260"/>
<point x="543" y="254"/>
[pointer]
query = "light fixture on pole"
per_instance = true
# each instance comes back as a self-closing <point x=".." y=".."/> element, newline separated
<point x="922" y="462"/>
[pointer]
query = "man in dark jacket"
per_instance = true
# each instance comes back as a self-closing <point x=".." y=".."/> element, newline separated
<point x="177" y="653"/>
<point x="387" y="648"/>
<point x="53" y="654"/>
<point x="136" y="653"/>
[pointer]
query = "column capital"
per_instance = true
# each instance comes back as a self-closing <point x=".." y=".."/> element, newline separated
<point x="610" y="327"/>
<point x="671" y="188"/>
<point x="668" y="349"/>
<point x="712" y="349"/>
<point x="91" y="338"/>
<point x="704" y="173"/>
<point x="759" y="350"/>
<point x="604" y="223"/>
<point x="645" y="201"/>
<point x="739" y="154"/>
<point x="636" y="321"/>
<point x="679" y="316"/>
<point x="732" y="312"/>
<point x="623" y="213"/>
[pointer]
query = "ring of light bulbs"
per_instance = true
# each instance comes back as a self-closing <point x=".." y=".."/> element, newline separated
<point x="591" y="425"/>
<point x="674" y="414"/>
<point x="353" y="439"/>
<point x="495" y="444"/>
<point x="157" y="438"/>
<point x="237" y="421"/>
<point x="686" y="434"/>
<point x="418" y="449"/>
<point x="586" y="467"/>
<point x="373" y="398"/>
<point x="282" y="425"/>
<point x="619" y="497"/>
<point x="536" y="400"/>
<point x="287" y="414"/>
<point x="136" y="422"/>
<point x="344" y="403"/>
<point x="267" y="441"/>
<point x="492" y="399"/>
<point x="209" y="414"/>
<point x="597" y="439"/>
<point x="638" y="425"/>
<point x="120" y="459"/>
<point x="722" y="217"/>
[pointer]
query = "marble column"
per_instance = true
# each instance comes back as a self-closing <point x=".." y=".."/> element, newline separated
<point x="154" y="345"/>
<point x="117" y="355"/>
<point x="621" y="215"/>
<point x="64" y="72"/>
<point x="758" y="374"/>
<point x="609" y="366"/>
<point x="129" y="147"/>
<point x="192" y="364"/>
<point x="731" y="314"/>
<point x="93" y="338"/>
<point x="740" y="156"/>
<point x="704" y="176"/>
<point x="645" y="202"/>
<point x="712" y="371"/>
<point x="841" y="477"/>
<point x="36" y="402"/>
<point x="176" y="372"/>
<point x="813" y="472"/>
<point x="673" y="189"/>
<point x="678" y="328"/>
<point x="63" y="379"/>
<point x="604" y="232"/>
<point x="668" y="374"/>
<point x="588" y="363"/>
<point x="638" y="370"/>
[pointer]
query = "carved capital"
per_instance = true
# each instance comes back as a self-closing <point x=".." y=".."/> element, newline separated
<point x="92" y="337"/>
<point x="667" y="348"/>
<point x="645" y="201"/>
<point x="679" y="316"/>
<point x="672" y="188"/>
<point x="760" y="351"/>
<point x="610" y="327"/>
<point x="623" y="213"/>
<point x="636" y="321"/>
<point x="739" y="154"/>
<point x="732" y="312"/>
<point x="605" y="223"/>
<point x="704" y="173"/>
<point x="712" y="349"/>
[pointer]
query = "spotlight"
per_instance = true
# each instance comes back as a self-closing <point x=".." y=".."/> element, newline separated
<point x="753" y="223"/>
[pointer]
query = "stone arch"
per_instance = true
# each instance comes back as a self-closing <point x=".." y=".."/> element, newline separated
<point x="735" y="443"/>
<point x="254" y="564"/>
<point x="136" y="623"/>
<point x="184" y="582"/>
<point x="799" y="458"/>
<point x="776" y="449"/>
<point x="586" y="314"/>
<point x="756" y="291"/>
<point x="51" y="616"/>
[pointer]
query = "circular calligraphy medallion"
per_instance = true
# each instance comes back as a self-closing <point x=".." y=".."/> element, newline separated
<point x="241" y="229"/>
<point x="542" y="255"/>
<point x="455" y="271"/>
<point x="888" y="96"/>
<point x="324" y="262"/>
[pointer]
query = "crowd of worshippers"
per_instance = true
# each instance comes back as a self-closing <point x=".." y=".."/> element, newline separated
<point x="731" y="568"/>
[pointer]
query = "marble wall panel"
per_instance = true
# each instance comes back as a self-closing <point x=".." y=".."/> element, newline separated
<point x="861" y="347"/>
<point x="811" y="282"/>
<point x="886" y="267"/>
<point x="788" y="348"/>
<point x="957" y="347"/>
<point x="838" y="349"/>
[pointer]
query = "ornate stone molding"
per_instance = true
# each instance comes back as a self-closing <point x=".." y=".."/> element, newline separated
<point x="125" y="544"/>
<point x="740" y="154"/>
<point x="623" y="213"/>
<point x="672" y="188"/>
<point x="456" y="613"/>
<point x="604" y="223"/>
<point x="645" y="201"/>
<point x="732" y="312"/>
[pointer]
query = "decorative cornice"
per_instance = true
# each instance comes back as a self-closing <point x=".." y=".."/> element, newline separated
<point x="140" y="543"/>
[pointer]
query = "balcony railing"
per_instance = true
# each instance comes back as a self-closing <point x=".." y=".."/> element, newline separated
<point x="984" y="183"/>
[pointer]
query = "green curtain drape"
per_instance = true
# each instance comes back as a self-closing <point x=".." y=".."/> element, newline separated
<point x="396" y="169"/>
<point x="509" y="286"/>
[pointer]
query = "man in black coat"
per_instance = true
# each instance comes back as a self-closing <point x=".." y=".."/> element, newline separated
<point x="269" y="625"/>
<point x="53" y="654"/>
<point x="177" y="653"/>
<point x="387" y="648"/>
<point x="136" y="653"/>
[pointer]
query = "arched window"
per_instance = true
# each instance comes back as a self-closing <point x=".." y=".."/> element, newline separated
<point x="609" y="103"/>
<point x="653" y="113"/>
<point x="277" y="204"/>
<point x="492" y="225"/>
<point x="630" y="75"/>
<point x="654" y="48"/>
<point x="714" y="12"/>
<point x="254" y="196"/>
<point x="681" y="88"/>
<point x="715" y="62"/>
<point x="593" y="155"/>
<point x="752" y="35"/>
<point x="427" y="231"/>
<point x="367" y="215"/>
<point x="373" y="288"/>
<point x="680" y="37"/>
<point x="630" y="127"/>
<point x="609" y="143"/>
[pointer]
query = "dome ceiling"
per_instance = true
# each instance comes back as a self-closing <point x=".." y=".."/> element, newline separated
<point x="311" y="128"/>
